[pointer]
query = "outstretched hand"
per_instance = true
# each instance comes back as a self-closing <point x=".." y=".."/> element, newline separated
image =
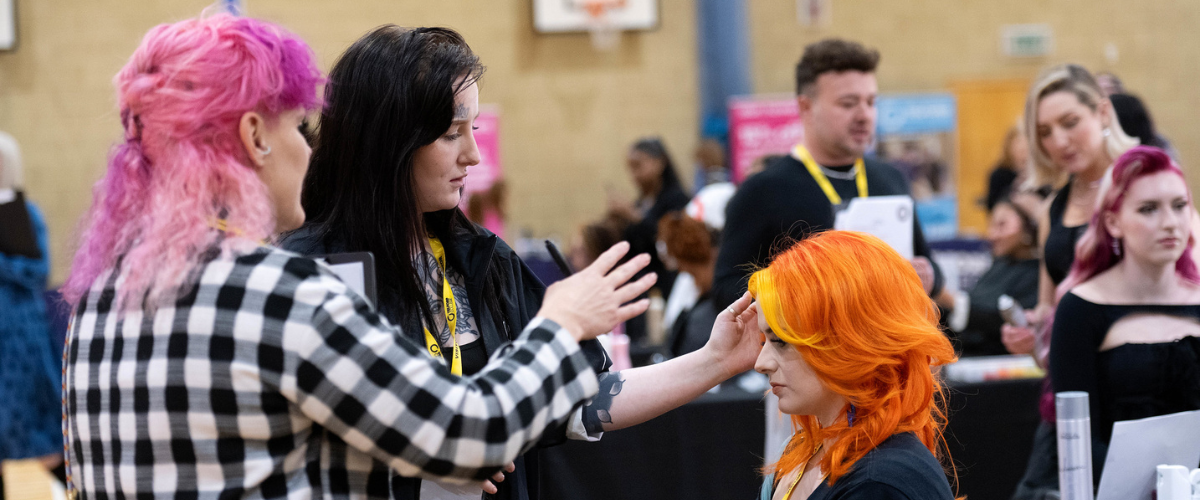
<point x="593" y="301"/>
<point x="736" y="340"/>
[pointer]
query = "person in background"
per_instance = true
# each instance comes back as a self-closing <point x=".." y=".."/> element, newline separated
<point x="1009" y="173"/>
<point x="861" y="383"/>
<point x="659" y="192"/>
<point x="489" y="209"/>
<point x="1136" y="121"/>
<point x="1112" y="85"/>
<point x="244" y="370"/>
<point x="1074" y="137"/>
<point x="1127" y="327"/>
<point x="1077" y="137"/>
<point x="30" y="371"/>
<point x="974" y="316"/>
<point x="711" y="167"/>
<point x="800" y="194"/>
<point x="708" y="206"/>
<point x="593" y="239"/>
<point x="693" y="245"/>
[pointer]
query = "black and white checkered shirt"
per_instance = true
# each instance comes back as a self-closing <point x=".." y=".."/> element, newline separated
<point x="270" y="379"/>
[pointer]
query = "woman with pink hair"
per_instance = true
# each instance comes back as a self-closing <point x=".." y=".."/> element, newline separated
<point x="1127" y="327"/>
<point x="202" y="362"/>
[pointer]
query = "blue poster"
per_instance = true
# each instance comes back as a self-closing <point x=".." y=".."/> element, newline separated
<point x="916" y="114"/>
<point x="915" y="134"/>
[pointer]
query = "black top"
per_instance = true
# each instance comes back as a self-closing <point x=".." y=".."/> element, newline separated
<point x="1127" y="382"/>
<point x="900" y="468"/>
<point x="784" y="201"/>
<point x="1017" y="279"/>
<point x="693" y="327"/>
<point x="1059" y="252"/>
<point x="643" y="235"/>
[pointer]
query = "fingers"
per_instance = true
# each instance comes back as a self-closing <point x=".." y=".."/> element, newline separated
<point x="489" y="487"/>
<point x="608" y="259"/>
<point x="629" y="311"/>
<point x="498" y="476"/>
<point x="511" y="467"/>
<point x="738" y="307"/>
<point x="627" y="270"/>
<point x="633" y="290"/>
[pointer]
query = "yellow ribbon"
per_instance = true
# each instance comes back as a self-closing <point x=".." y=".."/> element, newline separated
<point x="814" y="169"/>
<point x="450" y="307"/>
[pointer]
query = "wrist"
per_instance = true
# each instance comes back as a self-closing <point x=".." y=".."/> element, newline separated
<point x="709" y="358"/>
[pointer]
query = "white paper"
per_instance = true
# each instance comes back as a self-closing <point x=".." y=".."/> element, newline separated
<point x="889" y="218"/>
<point x="352" y="274"/>
<point x="1139" y="446"/>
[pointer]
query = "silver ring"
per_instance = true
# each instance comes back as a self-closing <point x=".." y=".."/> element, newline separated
<point x="730" y="309"/>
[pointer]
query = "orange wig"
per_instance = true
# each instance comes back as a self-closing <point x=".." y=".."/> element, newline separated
<point x="856" y="312"/>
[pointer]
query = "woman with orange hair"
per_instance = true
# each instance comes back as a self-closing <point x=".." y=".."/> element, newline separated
<point x="851" y="342"/>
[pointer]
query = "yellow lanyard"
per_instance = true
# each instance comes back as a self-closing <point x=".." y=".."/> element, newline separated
<point x="814" y="169"/>
<point x="223" y="226"/>
<point x="450" y="307"/>
<point x="788" y="495"/>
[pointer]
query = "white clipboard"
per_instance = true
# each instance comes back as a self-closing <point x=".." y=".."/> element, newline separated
<point x="1138" y="446"/>
<point x="889" y="218"/>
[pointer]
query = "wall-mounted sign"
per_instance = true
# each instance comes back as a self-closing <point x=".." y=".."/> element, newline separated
<point x="1027" y="40"/>
<point x="565" y="16"/>
<point x="8" y="24"/>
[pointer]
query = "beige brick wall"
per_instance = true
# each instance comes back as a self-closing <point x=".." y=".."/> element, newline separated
<point x="568" y="113"/>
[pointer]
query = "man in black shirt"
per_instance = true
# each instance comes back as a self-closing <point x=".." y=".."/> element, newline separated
<point x="799" y="194"/>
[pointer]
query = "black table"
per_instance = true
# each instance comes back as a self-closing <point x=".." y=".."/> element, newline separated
<point x="712" y="448"/>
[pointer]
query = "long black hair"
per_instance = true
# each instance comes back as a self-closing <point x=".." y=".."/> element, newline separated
<point x="391" y="93"/>
<point x="654" y="148"/>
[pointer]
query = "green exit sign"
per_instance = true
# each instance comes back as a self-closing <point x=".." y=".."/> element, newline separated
<point x="1027" y="40"/>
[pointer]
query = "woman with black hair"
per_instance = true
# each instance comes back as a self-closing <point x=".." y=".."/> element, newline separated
<point x="659" y="193"/>
<point x="393" y="148"/>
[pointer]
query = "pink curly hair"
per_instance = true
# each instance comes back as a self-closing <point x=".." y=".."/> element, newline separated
<point x="182" y="163"/>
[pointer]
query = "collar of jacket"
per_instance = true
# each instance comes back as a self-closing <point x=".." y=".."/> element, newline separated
<point x="469" y="250"/>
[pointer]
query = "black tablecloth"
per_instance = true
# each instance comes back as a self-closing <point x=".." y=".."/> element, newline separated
<point x="709" y="448"/>
<point x="712" y="448"/>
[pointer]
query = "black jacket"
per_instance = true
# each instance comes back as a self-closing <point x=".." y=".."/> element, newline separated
<point x="472" y="251"/>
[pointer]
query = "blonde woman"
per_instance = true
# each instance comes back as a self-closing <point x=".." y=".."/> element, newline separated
<point x="1074" y="138"/>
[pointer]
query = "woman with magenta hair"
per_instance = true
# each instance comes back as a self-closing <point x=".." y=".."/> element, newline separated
<point x="204" y="363"/>
<point x="852" y="342"/>
<point x="395" y="144"/>
<point x="1127" y="328"/>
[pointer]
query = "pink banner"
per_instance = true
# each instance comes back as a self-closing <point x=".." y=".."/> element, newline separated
<point x="760" y="126"/>
<point x="481" y="177"/>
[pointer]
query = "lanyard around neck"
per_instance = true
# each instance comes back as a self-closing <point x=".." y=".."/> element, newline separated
<point x="814" y="169"/>
<point x="450" y="308"/>
<point x="788" y="494"/>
